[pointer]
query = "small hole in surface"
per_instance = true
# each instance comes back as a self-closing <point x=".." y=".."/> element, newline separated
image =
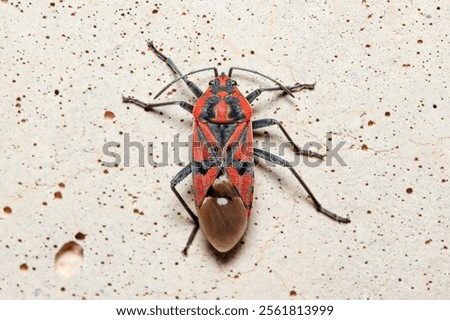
<point x="80" y="236"/>
<point x="109" y="115"/>
<point x="23" y="267"/>
<point x="68" y="259"/>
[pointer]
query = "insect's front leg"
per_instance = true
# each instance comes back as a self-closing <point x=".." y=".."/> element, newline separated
<point x="186" y="171"/>
<point x="148" y="106"/>
<point x="258" y="124"/>
<point x="295" y="88"/>
<point x="280" y="161"/>
<point x="192" y="86"/>
<point x="280" y="86"/>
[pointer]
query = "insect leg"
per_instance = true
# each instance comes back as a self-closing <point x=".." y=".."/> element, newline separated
<point x="149" y="106"/>
<point x="295" y="88"/>
<point x="257" y="124"/>
<point x="192" y="86"/>
<point x="280" y="86"/>
<point x="280" y="161"/>
<point x="176" y="180"/>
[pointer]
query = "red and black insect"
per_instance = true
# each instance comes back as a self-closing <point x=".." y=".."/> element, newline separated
<point x="223" y="155"/>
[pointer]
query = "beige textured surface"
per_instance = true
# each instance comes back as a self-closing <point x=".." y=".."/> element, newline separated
<point x="382" y="86"/>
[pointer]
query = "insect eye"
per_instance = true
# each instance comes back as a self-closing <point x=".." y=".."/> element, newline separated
<point x="233" y="83"/>
<point x="213" y="83"/>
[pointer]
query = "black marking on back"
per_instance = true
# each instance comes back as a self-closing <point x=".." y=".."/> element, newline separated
<point x="236" y="112"/>
<point x="202" y="167"/>
<point x="222" y="131"/>
<point x="243" y="167"/>
<point x="215" y="89"/>
<point x="208" y="111"/>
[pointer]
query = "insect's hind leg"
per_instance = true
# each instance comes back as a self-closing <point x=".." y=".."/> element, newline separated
<point x="262" y="123"/>
<point x="192" y="86"/>
<point x="186" y="171"/>
<point x="280" y="161"/>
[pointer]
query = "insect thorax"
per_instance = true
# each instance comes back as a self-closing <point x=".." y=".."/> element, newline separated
<point x="222" y="102"/>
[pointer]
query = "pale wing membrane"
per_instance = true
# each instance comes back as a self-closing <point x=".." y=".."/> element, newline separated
<point x="222" y="216"/>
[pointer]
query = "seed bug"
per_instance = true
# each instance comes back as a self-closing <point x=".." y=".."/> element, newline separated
<point x="223" y="156"/>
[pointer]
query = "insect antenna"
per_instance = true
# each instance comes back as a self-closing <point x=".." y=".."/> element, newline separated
<point x="262" y="75"/>
<point x="216" y="73"/>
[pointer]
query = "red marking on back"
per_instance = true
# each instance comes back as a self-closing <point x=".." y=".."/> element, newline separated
<point x="245" y="106"/>
<point x="201" y="153"/>
<point x="237" y="133"/>
<point x="245" y="150"/>
<point x="210" y="138"/>
<point x="199" y="148"/>
<point x="202" y="184"/>
<point x="243" y="185"/>
<point x="200" y="104"/>
<point x="222" y="109"/>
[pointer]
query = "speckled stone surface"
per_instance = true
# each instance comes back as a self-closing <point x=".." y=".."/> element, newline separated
<point x="382" y="87"/>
